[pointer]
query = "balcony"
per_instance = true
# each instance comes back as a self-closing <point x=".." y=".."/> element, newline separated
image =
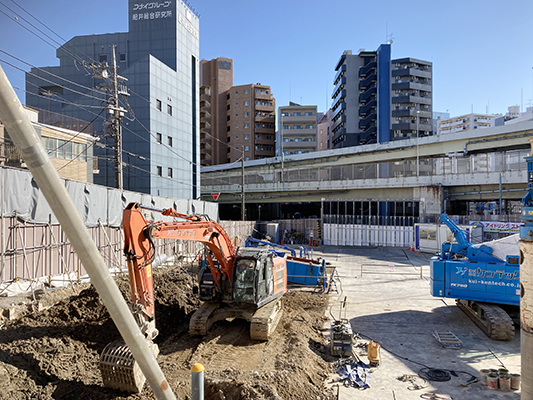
<point x="366" y="95"/>
<point x="410" y="112"/>
<point x="264" y="107"/>
<point x="205" y="104"/>
<point x="363" y="71"/>
<point x="410" y="98"/>
<point x="363" y="123"/>
<point x="367" y="107"/>
<point x="339" y="74"/>
<point x="411" y="126"/>
<point x="341" y="121"/>
<point x="367" y="81"/>
<point x="411" y="72"/>
<point x="267" y="119"/>
<point x="339" y="99"/>
<point x="338" y="87"/>
<point x="340" y="110"/>
<point x="411" y="86"/>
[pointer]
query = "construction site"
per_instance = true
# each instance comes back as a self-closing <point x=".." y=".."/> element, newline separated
<point x="111" y="294"/>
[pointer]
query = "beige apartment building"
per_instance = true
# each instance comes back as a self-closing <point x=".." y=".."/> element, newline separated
<point x="70" y="151"/>
<point x="216" y="78"/>
<point x="250" y="122"/>
<point x="297" y="129"/>
<point x="464" y="123"/>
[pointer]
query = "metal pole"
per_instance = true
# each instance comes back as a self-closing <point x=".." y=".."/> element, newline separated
<point x="36" y="158"/>
<point x="117" y="129"/>
<point x="243" y="210"/>
<point x="417" y="152"/>
<point x="197" y="382"/>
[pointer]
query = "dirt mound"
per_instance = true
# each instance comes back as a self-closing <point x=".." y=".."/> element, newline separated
<point x="53" y="354"/>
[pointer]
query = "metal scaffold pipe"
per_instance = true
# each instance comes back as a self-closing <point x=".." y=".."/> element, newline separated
<point x="36" y="158"/>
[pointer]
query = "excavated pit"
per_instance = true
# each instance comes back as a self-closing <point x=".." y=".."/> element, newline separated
<point x="53" y="353"/>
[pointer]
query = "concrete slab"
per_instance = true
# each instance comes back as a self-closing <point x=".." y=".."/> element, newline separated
<point x="388" y="300"/>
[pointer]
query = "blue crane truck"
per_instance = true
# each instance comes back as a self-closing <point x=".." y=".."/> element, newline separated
<point x="483" y="278"/>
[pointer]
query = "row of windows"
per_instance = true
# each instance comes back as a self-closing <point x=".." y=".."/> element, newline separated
<point x="298" y="127"/>
<point x="160" y="171"/>
<point x="296" y="114"/>
<point x="159" y="138"/>
<point x="103" y="57"/>
<point x="65" y="150"/>
<point x="258" y="137"/>
<point x="159" y="107"/>
<point x="298" y="140"/>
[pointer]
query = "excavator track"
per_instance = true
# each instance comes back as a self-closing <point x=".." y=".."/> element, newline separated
<point x="490" y="318"/>
<point x="265" y="320"/>
<point x="119" y="369"/>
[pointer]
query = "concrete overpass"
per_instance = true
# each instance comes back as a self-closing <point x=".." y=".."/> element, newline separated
<point x="448" y="172"/>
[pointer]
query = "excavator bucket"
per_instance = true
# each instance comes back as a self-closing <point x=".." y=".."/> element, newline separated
<point x="120" y="370"/>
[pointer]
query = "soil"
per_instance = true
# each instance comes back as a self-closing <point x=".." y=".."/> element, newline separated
<point x="53" y="353"/>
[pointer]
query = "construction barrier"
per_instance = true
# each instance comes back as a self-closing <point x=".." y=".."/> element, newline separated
<point x="367" y="235"/>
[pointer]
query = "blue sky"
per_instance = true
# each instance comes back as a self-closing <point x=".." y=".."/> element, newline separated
<point x="482" y="51"/>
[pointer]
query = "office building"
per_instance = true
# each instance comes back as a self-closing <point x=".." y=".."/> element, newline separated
<point x="376" y="99"/>
<point x="216" y="78"/>
<point x="160" y="132"/>
<point x="250" y="122"/>
<point x="297" y="129"/>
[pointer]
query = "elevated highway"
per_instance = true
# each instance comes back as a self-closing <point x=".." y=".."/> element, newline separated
<point x="448" y="172"/>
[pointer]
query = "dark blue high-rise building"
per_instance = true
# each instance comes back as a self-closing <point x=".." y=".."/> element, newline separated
<point x="376" y="99"/>
<point x="159" y="57"/>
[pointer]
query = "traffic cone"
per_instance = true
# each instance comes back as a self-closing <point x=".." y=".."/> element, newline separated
<point x="412" y="247"/>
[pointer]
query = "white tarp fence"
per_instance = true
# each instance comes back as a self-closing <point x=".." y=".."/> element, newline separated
<point x="22" y="198"/>
<point x="367" y="235"/>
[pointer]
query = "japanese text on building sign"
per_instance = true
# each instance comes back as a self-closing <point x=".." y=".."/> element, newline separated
<point x="151" y="6"/>
<point x="153" y="14"/>
<point x="188" y="26"/>
<point x="494" y="226"/>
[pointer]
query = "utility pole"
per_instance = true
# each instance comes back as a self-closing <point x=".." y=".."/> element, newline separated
<point x="243" y="210"/>
<point x="115" y="111"/>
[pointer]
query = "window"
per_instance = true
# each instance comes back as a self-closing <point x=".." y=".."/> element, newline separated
<point x="236" y="125"/>
<point x="229" y="149"/>
<point x="169" y="109"/>
<point x="159" y="171"/>
<point x="246" y="137"/>
<point x="296" y="114"/>
<point x="159" y="137"/>
<point x="170" y="172"/>
<point x="269" y="137"/>
<point x="102" y="58"/>
<point x="236" y="92"/>
<point x="308" y="114"/>
<point x="246" y="103"/>
<point x="246" y="158"/>
<point x="309" y="127"/>
<point x="246" y="148"/>
<point x="158" y="104"/>
<point x="228" y="117"/>
<point x="236" y="137"/>
<point x="297" y="127"/>
<point x="246" y="125"/>
<point x="170" y="141"/>
<point x="227" y="97"/>
<point x="228" y="129"/>
<point x="245" y="114"/>
<point x="227" y="107"/>
<point x="286" y="127"/>
<point x="122" y="57"/>
<point x="258" y="136"/>
<point x="228" y="139"/>
<point x="236" y="103"/>
<point x="246" y="91"/>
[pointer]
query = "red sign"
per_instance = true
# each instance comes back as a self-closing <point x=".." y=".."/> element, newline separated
<point x="215" y="196"/>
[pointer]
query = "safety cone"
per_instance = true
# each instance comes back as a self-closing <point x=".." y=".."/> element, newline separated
<point x="412" y="247"/>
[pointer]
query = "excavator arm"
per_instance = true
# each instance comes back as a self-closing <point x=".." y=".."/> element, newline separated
<point x="139" y="248"/>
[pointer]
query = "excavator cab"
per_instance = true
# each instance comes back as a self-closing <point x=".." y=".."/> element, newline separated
<point x="252" y="277"/>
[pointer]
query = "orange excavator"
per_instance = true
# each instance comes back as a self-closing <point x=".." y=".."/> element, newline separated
<point x="233" y="283"/>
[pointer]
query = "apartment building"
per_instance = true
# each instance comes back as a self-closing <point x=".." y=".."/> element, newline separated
<point x="412" y="111"/>
<point x="70" y="151"/>
<point x="297" y="129"/>
<point x="324" y="131"/>
<point x="464" y="123"/>
<point x="216" y="78"/>
<point x="250" y="122"/>
<point x="376" y="99"/>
